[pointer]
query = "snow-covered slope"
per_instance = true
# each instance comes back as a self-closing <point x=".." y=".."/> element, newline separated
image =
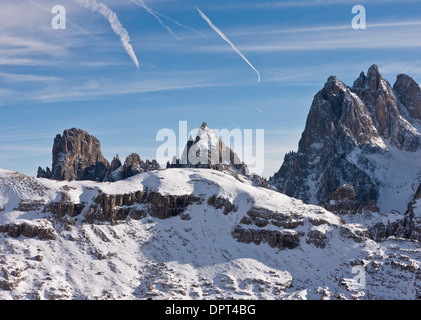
<point x="188" y="234"/>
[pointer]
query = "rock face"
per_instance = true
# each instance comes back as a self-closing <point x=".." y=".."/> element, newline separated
<point x="413" y="217"/>
<point x="343" y="200"/>
<point x="387" y="111"/>
<point x="76" y="156"/>
<point x="131" y="167"/>
<point x="209" y="151"/>
<point x="409" y="94"/>
<point x="354" y="136"/>
<point x="28" y="230"/>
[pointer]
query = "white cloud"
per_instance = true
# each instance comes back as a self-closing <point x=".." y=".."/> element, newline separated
<point x="13" y="77"/>
<point x="391" y="35"/>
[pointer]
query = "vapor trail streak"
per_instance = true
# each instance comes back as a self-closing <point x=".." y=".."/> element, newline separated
<point x="115" y="24"/>
<point x="178" y="23"/>
<point x="155" y="15"/>
<point x="227" y="40"/>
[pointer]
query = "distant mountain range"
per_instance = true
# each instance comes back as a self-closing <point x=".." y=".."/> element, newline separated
<point x="339" y="220"/>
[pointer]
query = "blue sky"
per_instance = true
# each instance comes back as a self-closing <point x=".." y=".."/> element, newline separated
<point x="51" y="80"/>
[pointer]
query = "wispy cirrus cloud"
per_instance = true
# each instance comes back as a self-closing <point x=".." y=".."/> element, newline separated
<point x="14" y="77"/>
<point x="380" y="35"/>
<point x="300" y="4"/>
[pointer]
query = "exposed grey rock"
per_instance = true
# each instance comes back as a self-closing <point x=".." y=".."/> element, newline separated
<point x="413" y="221"/>
<point x="344" y="121"/>
<point x="132" y="166"/>
<point x="343" y="200"/>
<point x="29" y="230"/>
<point x="219" y="203"/>
<point x="280" y="239"/>
<point x="354" y="232"/>
<point x="76" y="156"/>
<point x="118" y="207"/>
<point x="317" y="238"/>
<point x="382" y="230"/>
<point x="115" y="164"/>
<point x="389" y="118"/>
<point x="30" y="205"/>
<point x="409" y="94"/>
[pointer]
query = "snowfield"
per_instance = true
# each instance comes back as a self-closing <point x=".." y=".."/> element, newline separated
<point x="226" y="244"/>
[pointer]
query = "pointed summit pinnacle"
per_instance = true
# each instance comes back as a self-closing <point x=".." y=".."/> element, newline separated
<point x="373" y="70"/>
<point x="204" y="125"/>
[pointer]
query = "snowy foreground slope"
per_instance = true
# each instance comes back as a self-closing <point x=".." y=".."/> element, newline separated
<point x="188" y="234"/>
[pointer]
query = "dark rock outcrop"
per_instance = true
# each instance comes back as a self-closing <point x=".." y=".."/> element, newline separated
<point x="132" y="166"/>
<point x="219" y="203"/>
<point x="28" y="230"/>
<point x="413" y="217"/>
<point x="317" y="238"/>
<point x="280" y="239"/>
<point x="118" y="207"/>
<point x="409" y="94"/>
<point x="76" y="156"/>
<point x="115" y="164"/>
<point x="343" y="200"/>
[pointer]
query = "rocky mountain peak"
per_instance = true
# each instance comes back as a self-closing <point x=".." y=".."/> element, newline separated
<point x="349" y="136"/>
<point x="204" y="125"/>
<point x="409" y="94"/>
<point x="373" y="73"/>
<point x="387" y="111"/>
<point x="132" y="166"/>
<point x="76" y="156"/>
<point x="116" y="163"/>
<point x="209" y="151"/>
<point x="372" y="82"/>
<point x="333" y="83"/>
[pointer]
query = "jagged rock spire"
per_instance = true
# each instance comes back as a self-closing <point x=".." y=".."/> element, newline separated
<point x="344" y="127"/>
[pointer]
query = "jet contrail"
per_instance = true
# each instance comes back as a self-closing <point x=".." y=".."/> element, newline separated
<point x="115" y="24"/>
<point x="178" y="23"/>
<point x="227" y="40"/>
<point x="155" y="15"/>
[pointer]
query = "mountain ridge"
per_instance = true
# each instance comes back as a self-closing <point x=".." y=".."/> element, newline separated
<point x="187" y="234"/>
<point x="357" y="135"/>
